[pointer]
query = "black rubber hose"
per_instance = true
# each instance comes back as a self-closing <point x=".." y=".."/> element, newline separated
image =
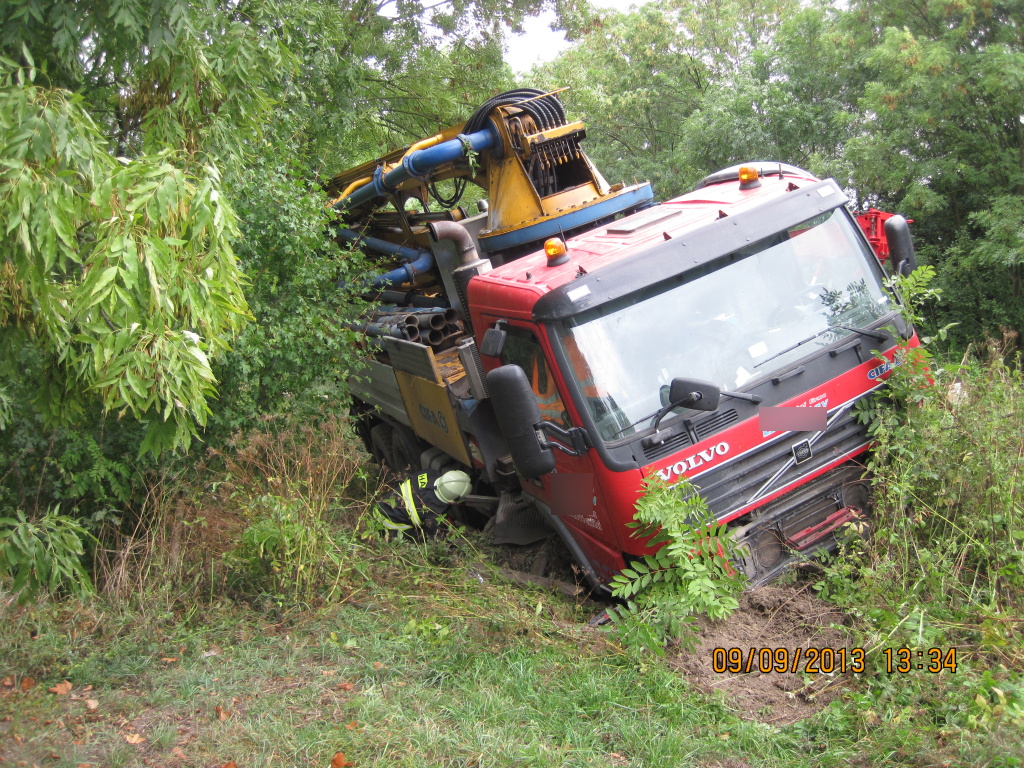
<point x="546" y="111"/>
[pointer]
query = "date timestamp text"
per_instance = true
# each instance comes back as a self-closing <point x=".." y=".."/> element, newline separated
<point x="829" y="660"/>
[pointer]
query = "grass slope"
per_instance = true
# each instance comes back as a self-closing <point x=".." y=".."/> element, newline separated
<point x="424" y="666"/>
<point x="419" y="655"/>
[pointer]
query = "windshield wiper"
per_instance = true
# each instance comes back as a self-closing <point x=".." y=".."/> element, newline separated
<point x="851" y="328"/>
<point x="790" y="349"/>
<point x="863" y="332"/>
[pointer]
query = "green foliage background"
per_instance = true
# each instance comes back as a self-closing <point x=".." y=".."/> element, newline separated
<point x="166" y="279"/>
<point x="173" y="358"/>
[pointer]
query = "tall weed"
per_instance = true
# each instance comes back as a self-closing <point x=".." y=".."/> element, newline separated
<point x="690" y="574"/>
<point x="291" y="484"/>
<point x="946" y="564"/>
<point x="158" y="548"/>
<point x="319" y="463"/>
<point x="289" y="554"/>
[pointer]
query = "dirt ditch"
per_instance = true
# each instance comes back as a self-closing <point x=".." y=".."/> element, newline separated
<point x="775" y="627"/>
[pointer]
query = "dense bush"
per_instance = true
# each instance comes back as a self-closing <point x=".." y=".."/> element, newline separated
<point x="946" y="563"/>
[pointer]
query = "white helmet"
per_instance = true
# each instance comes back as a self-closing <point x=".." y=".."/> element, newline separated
<point x="452" y="487"/>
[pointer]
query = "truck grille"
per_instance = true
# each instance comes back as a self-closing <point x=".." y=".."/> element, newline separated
<point x="704" y="427"/>
<point x="732" y="486"/>
<point x="709" y="425"/>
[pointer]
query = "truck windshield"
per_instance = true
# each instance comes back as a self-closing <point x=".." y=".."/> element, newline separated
<point x="770" y="305"/>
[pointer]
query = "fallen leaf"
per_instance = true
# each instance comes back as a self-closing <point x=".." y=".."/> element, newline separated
<point x="222" y="714"/>
<point x="169" y="659"/>
<point x="92" y="704"/>
<point x="61" y="689"/>
<point x="229" y="764"/>
<point x="214" y="651"/>
<point x="346" y="686"/>
<point x="27" y="683"/>
<point x="87" y="689"/>
<point x="378" y="665"/>
<point x="339" y="761"/>
<point x="178" y="752"/>
<point x="134" y="738"/>
<point x="8" y="682"/>
<point x="353" y="726"/>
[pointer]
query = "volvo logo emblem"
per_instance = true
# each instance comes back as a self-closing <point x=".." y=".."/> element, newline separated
<point x="692" y="462"/>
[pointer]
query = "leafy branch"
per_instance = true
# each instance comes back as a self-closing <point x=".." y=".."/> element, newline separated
<point x="121" y="273"/>
<point x="689" y="574"/>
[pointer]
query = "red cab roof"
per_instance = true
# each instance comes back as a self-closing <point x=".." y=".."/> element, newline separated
<point x="531" y="277"/>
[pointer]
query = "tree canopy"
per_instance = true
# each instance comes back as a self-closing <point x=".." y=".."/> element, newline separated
<point x="916" y="107"/>
<point x="134" y="131"/>
<point x="165" y="256"/>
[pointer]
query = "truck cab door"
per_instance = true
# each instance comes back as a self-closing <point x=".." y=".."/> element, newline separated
<point x="570" y="495"/>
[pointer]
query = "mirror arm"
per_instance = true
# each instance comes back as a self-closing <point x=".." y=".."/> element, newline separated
<point x="690" y="399"/>
<point x="576" y="437"/>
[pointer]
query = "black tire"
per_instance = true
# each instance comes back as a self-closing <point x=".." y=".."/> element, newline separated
<point x="381" y="442"/>
<point x="405" y="451"/>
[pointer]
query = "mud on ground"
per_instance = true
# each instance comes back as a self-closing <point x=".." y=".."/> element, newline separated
<point x="772" y="617"/>
<point x="788" y="618"/>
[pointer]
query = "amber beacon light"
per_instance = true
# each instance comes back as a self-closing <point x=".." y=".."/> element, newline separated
<point x="749" y="177"/>
<point x="554" y="248"/>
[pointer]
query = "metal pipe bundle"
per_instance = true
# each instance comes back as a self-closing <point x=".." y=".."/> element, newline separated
<point x="434" y="326"/>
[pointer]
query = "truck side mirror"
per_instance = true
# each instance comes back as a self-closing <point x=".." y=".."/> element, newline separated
<point x="693" y="393"/>
<point x="493" y="343"/>
<point x="518" y="416"/>
<point x="901" y="246"/>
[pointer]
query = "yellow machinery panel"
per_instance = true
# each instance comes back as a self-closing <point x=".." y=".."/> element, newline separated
<point x="431" y="414"/>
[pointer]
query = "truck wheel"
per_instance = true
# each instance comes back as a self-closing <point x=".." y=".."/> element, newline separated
<point x="381" y="440"/>
<point x="405" y="450"/>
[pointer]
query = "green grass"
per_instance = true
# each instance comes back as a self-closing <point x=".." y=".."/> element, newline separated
<point x="417" y="662"/>
<point x="510" y="688"/>
<point x="516" y="680"/>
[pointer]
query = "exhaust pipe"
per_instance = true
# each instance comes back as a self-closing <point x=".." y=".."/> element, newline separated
<point x="458" y="234"/>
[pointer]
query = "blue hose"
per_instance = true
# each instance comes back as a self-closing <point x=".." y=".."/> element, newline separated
<point x="418" y="164"/>
<point x="417" y="261"/>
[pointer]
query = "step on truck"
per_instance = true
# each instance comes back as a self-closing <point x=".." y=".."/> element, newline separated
<point x="572" y="338"/>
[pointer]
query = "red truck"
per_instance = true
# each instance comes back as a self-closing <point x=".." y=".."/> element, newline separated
<point x="591" y="339"/>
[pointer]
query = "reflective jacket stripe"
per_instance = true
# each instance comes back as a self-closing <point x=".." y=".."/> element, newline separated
<point x="410" y="503"/>
<point x="391" y="525"/>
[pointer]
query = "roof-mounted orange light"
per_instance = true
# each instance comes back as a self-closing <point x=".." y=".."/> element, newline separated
<point x="749" y="177"/>
<point x="555" y="250"/>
